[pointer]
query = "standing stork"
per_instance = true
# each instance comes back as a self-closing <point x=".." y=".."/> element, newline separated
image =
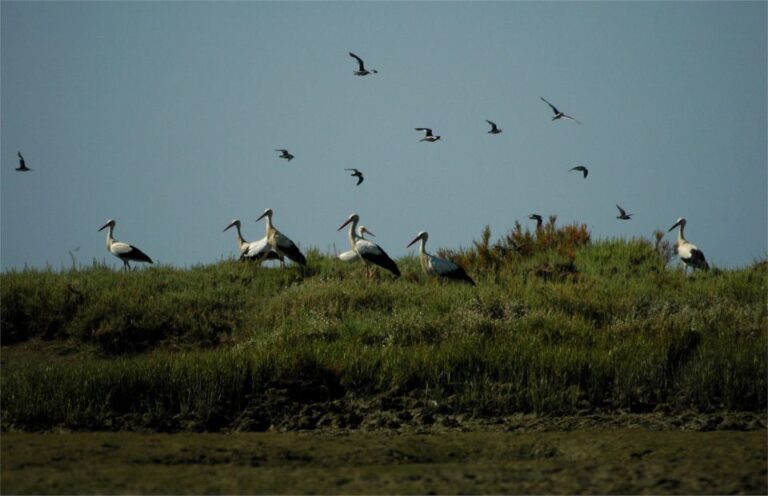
<point x="254" y="250"/>
<point x="438" y="267"/>
<point x="123" y="251"/>
<point x="688" y="253"/>
<point x="368" y="251"/>
<point x="280" y="243"/>
<point x="351" y="255"/>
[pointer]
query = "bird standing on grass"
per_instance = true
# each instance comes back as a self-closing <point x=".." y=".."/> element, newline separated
<point x="123" y="251"/>
<point x="280" y="243"/>
<point x="368" y="251"/>
<point x="254" y="250"/>
<point x="688" y="252"/>
<point x="439" y="267"/>
<point x="351" y="255"/>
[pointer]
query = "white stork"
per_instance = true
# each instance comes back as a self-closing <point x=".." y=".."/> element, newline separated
<point x="254" y="250"/>
<point x="688" y="253"/>
<point x="351" y="255"/>
<point x="280" y="243"/>
<point x="368" y="251"/>
<point x="438" y="267"/>
<point x="123" y="251"/>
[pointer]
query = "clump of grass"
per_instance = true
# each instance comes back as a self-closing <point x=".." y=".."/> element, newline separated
<point x="202" y="347"/>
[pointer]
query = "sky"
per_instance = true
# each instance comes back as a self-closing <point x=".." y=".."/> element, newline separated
<point x="165" y="116"/>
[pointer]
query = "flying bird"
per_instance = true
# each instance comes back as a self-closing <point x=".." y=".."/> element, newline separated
<point x="285" y="154"/>
<point x="558" y="114"/>
<point x="581" y="168"/>
<point x="538" y="219"/>
<point x="439" y="267"/>
<point x="361" y="70"/>
<point x="622" y="214"/>
<point x="123" y="251"/>
<point x="254" y="250"/>
<point x="22" y="164"/>
<point x="494" y="128"/>
<point x="688" y="252"/>
<point x="279" y="242"/>
<point x="357" y="174"/>
<point x="428" y="136"/>
<point x="368" y="251"/>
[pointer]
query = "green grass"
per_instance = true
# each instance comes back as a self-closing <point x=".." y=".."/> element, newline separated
<point x="571" y="325"/>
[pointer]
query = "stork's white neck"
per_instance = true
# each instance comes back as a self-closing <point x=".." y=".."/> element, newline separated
<point x="269" y="224"/>
<point x="240" y="238"/>
<point x="353" y="237"/>
<point x="110" y="239"/>
<point x="680" y="235"/>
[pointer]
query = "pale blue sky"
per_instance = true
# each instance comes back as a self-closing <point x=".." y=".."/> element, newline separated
<point x="165" y="117"/>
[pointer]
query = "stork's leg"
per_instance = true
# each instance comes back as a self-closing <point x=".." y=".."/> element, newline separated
<point x="126" y="266"/>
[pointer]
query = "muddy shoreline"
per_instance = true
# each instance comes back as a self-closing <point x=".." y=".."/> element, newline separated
<point x="450" y="461"/>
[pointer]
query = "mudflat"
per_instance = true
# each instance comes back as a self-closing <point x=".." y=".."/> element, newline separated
<point x="485" y="460"/>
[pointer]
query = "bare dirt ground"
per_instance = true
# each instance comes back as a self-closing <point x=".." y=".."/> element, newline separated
<point x="509" y="458"/>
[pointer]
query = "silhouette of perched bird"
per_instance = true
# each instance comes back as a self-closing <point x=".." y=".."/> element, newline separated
<point x="285" y="154"/>
<point x="622" y="214"/>
<point x="361" y="70"/>
<point x="22" y="164"/>
<point x="494" y="128"/>
<point x="357" y="174"/>
<point x="558" y="114"/>
<point x="581" y="168"/>
<point x="428" y="136"/>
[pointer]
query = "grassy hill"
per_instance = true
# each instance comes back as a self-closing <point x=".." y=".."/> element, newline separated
<point x="557" y="324"/>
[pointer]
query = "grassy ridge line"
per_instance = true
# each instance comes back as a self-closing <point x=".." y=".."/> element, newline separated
<point x="606" y="328"/>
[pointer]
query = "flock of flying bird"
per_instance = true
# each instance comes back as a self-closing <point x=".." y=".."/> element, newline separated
<point x="277" y="246"/>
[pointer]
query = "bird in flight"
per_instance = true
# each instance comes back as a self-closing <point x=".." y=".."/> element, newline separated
<point x="285" y="154"/>
<point x="494" y="128"/>
<point x="22" y="164"/>
<point x="428" y="136"/>
<point x="581" y="168"/>
<point x="361" y="71"/>
<point x="622" y="214"/>
<point x="558" y="114"/>
<point x="357" y="174"/>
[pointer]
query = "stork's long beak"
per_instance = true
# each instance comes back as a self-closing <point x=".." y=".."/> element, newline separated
<point x="103" y="227"/>
<point x="673" y="226"/>
<point x="344" y="224"/>
<point x="366" y="231"/>
<point x="232" y="224"/>
<point x="261" y="216"/>
<point x="414" y="241"/>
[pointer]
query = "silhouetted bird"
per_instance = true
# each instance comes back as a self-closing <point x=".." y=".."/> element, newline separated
<point x="428" y="136"/>
<point x="285" y="154"/>
<point x="581" y="168"/>
<point x="357" y="174"/>
<point x="361" y="71"/>
<point x="622" y="214"/>
<point x="558" y="114"/>
<point x="22" y="164"/>
<point x="494" y="128"/>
